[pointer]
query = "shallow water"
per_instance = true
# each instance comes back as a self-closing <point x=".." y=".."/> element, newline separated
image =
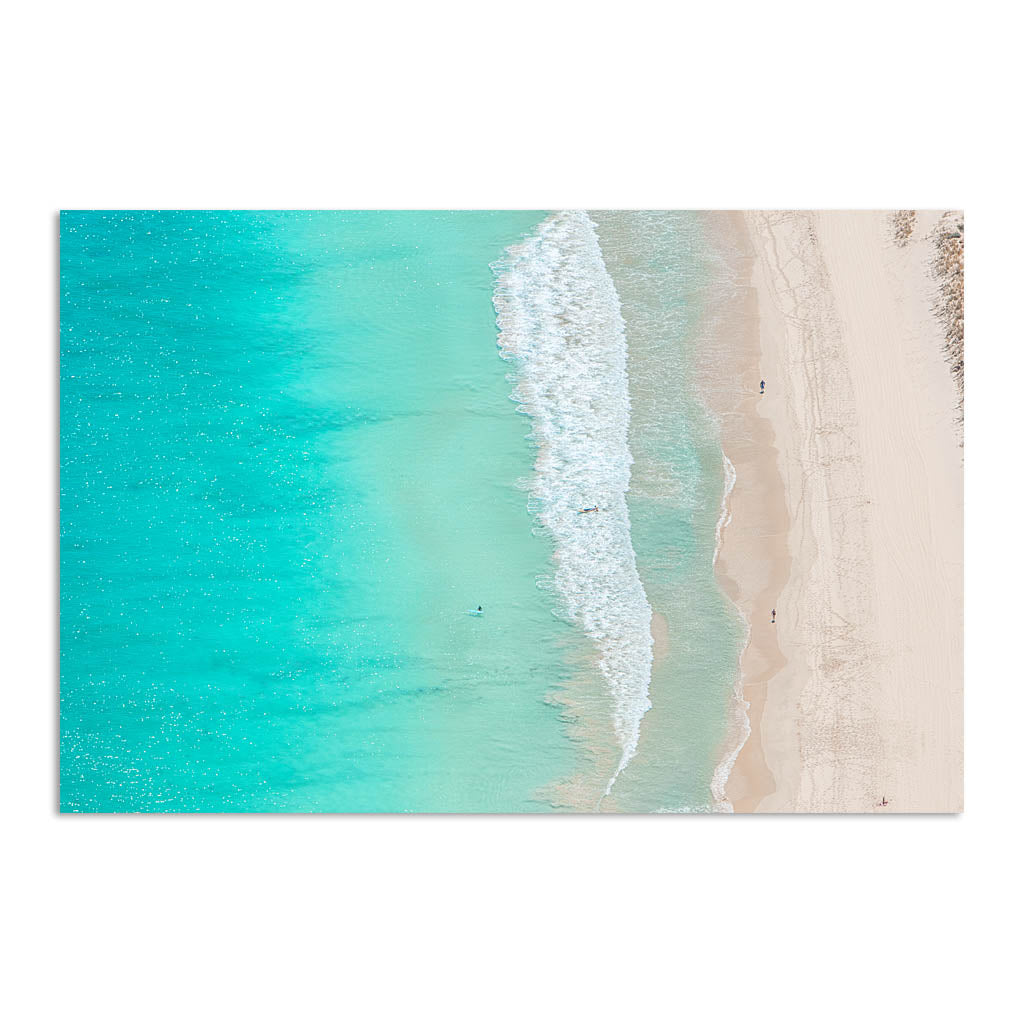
<point x="666" y="268"/>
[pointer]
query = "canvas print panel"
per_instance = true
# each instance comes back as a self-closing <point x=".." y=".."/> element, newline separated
<point x="511" y="511"/>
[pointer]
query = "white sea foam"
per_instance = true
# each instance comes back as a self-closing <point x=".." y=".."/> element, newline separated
<point x="560" y="325"/>
<point x="739" y="728"/>
<point x="725" y="516"/>
<point x="739" y="725"/>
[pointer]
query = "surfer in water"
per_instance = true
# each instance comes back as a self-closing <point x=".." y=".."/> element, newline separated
<point x="593" y="508"/>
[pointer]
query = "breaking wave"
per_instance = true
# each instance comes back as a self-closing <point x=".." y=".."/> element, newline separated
<point x="561" y="327"/>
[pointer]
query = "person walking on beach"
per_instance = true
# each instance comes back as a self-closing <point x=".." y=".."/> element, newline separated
<point x="773" y="616"/>
<point x="762" y="387"/>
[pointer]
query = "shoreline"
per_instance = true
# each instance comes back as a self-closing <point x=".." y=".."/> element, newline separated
<point x="753" y="560"/>
<point x="846" y="516"/>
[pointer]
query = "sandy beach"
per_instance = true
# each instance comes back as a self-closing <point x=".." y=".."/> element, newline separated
<point x="847" y="517"/>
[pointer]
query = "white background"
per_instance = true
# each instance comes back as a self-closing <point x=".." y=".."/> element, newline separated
<point x="536" y="105"/>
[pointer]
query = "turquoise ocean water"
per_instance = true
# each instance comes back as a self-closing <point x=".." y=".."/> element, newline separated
<point x="289" y="466"/>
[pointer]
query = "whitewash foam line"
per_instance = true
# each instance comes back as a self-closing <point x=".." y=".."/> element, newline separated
<point x="739" y="724"/>
<point x="560" y="325"/>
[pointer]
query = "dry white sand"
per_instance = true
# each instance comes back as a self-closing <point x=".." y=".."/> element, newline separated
<point x="849" y="523"/>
